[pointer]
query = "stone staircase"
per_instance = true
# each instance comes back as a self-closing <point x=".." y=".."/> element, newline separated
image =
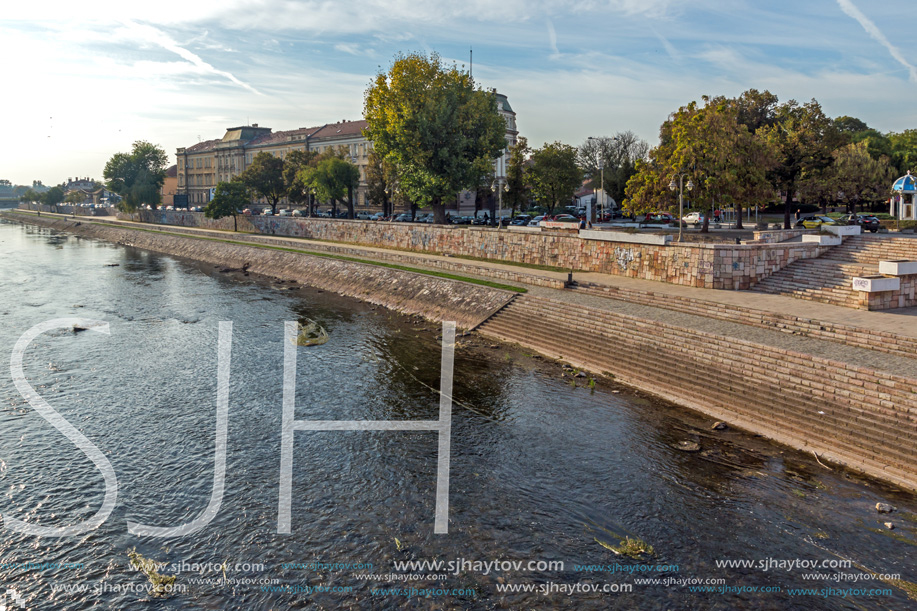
<point x="804" y="401"/>
<point x="829" y="278"/>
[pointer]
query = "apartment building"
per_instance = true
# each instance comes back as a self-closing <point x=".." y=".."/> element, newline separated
<point x="203" y="165"/>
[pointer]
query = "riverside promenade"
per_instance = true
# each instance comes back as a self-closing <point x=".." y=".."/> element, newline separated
<point x="828" y="380"/>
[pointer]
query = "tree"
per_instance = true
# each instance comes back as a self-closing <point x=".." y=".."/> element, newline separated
<point x="726" y="162"/>
<point x="265" y="178"/>
<point x="904" y="151"/>
<point x="618" y="154"/>
<point x="297" y="191"/>
<point x="137" y="176"/>
<point x="228" y="199"/>
<point x="860" y="177"/>
<point x="517" y="192"/>
<point x="554" y="175"/>
<point x="435" y="126"/>
<point x="53" y="197"/>
<point x="803" y="138"/>
<point x="333" y="178"/>
<point x="74" y="197"/>
<point x="380" y="180"/>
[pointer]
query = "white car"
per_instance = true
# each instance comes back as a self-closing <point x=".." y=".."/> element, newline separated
<point x="296" y="213"/>
<point x="695" y="218"/>
<point x="267" y="212"/>
<point x="535" y="221"/>
<point x="284" y="213"/>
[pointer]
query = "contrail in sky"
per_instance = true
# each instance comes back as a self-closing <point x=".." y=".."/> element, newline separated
<point x="851" y="10"/>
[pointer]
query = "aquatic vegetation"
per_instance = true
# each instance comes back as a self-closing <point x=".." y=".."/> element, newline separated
<point x="632" y="547"/>
<point x="311" y="334"/>
<point x="162" y="584"/>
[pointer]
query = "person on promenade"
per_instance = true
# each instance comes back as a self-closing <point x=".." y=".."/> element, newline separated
<point x="797" y="213"/>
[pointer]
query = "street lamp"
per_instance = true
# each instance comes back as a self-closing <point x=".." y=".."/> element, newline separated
<point x="681" y="178"/>
<point x="498" y="186"/>
<point x="602" y="171"/>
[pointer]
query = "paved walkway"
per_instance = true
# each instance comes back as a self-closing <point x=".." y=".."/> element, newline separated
<point x="900" y="322"/>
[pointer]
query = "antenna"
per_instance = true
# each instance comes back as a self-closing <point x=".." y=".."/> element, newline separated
<point x="470" y="62"/>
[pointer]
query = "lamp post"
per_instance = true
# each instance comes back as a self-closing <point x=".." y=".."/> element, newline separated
<point x="681" y="179"/>
<point x="498" y="186"/>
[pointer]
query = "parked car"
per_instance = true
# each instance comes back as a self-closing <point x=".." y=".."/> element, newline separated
<point x="814" y="222"/>
<point x="867" y="222"/>
<point x="565" y="218"/>
<point x="284" y="213"/>
<point x="296" y="213"/>
<point x="267" y="212"/>
<point x="659" y="217"/>
<point x="247" y="212"/>
<point x="537" y="220"/>
<point x="521" y="220"/>
<point x="693" y="218"/>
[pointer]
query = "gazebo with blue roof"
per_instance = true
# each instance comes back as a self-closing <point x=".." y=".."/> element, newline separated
<point x="903" y="200"/>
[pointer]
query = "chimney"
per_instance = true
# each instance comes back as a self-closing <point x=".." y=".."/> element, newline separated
<point x="254" y="125"/>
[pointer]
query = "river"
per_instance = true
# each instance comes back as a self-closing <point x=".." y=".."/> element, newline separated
<point x="547" y="474"/>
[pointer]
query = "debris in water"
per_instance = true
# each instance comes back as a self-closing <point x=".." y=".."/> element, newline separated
<point x="687" y="446"/>
<point x="311" y="334"/>
<point x="162" y="584"/>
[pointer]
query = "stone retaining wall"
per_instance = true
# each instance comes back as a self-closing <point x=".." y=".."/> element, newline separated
<point x="859" y="417"/>
<point x="428" y="296"/>
<point x="717" y="266"/>
<point x="68" y="209"/>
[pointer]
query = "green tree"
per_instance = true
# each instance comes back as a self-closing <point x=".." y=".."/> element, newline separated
<point x="265" y="178"/>
<point x="333" y="178"/>
<point x="726" y="162"/>
<point x="380" y="180"/>
<point x="804" y="139"/>
<point x="860" y="177"/>
<point x="295" y="162"/>
<point x="228" y="199"/>
<point x="517" y="192"/>
<point x="554" y="175"/>
<point x="30" y="195"/>
<point x="73" y="198"/>
<point x="137" y="176"/>
<point x="904" y="151"/>
<point x="435" y="126"/>
<point x="53" y="197"/>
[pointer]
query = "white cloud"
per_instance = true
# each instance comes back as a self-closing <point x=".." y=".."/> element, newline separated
<point x="851" y="10"/>
<point x="157" y="37"/>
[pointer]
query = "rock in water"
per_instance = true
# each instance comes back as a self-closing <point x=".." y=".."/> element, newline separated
<point x="889" y="525"/>
<point x="719" y="426"/>
<point x="687" y="446"/>
<point x="884" y="508"/>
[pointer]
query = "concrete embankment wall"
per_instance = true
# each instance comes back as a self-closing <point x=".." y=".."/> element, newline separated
<point x="716" y="266"/>
<point x="855" y="416"/>
<point x="428" y="296"/>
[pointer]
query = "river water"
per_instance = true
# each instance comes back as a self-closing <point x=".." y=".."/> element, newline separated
<point x="541" y="472"/>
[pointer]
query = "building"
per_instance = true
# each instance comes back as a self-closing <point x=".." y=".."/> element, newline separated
<point x="904" y="200"/>
<point x="169" y="186"/>
<point x="201" y="166"/>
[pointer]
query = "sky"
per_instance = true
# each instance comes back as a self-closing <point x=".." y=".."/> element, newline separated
<point x="84" y="80"/>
